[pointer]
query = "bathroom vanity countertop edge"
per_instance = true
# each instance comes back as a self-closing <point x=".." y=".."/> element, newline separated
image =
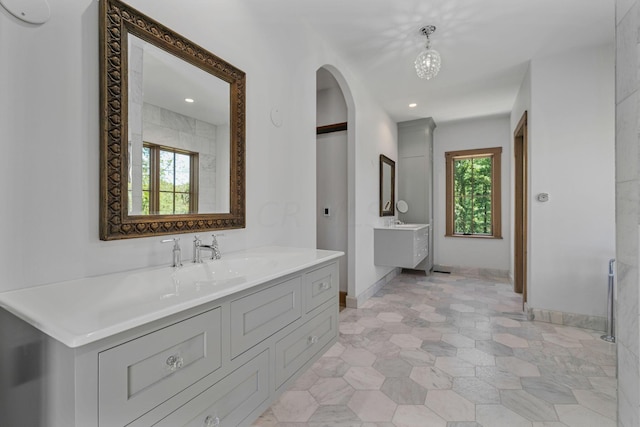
<point x="83" y="311"/>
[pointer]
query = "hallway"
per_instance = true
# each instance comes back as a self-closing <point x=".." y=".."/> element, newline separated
<point x="452" y="351"/>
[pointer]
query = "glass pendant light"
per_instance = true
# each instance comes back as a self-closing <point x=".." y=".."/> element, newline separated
<point x="428" y="61"/>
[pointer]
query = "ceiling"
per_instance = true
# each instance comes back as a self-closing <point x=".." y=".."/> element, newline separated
<point x="485" y="46"/>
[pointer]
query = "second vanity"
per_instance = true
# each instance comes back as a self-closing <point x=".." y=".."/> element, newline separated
<point x="401" y="245"/>
<point x="209" y="344"/>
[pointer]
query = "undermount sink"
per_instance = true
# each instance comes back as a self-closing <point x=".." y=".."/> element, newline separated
<point x="220" y="270"/>
<point x="189" y="279"/>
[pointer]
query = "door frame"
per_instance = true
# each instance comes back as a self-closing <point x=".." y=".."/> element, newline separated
<point x="520" y="150"/>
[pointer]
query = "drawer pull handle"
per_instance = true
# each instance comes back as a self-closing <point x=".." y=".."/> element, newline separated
<point x="211" y="421"/>
<point x="325" y="286"/>
<point x="175" y="362"/>
<point x="312" y="340"/>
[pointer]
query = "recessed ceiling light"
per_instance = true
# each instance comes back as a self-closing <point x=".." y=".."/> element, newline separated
<point x="189" y="100"/>
<point x="413" y="105"/>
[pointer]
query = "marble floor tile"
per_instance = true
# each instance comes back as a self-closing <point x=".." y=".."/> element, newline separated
<point x="510" y="340"/>
<point x="404" y="391"/>
<point x="431" y="378"/>
<point x="406" y="341"/>
<point x="334" y="415"/>
<point x="458" y="341"/>
<point x="331" y="391"/>
<point x="450" y="405"/>
<point x="391" y="368"/>
<point x="476" y="357"/>
<point x="389" y="317"/>
<point x="476" y="390"/>
<point x="295" y="406"/>
<point x="452" y="351"/>
<point x="364" y="378"/>
<point x="580" y="416"/>
<point x="499" y="416"/>
<point x="372" y="406"/>
<point x="548" y="389"/>
<point x="527" y="405"/>
<point x="439" y="348"/>
<point x="518" y="367"/>
<point x="416" y="415"/>
<point x="597" y="401"/>
<point x="455" y="367"/>
<point x="417" y="357"/>
<point x="358" y="356"/>
<point x="493" y="348"/>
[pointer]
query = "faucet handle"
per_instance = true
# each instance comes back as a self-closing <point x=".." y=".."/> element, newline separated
<point x="175" y="240"/>
<point x="196" y="240"/>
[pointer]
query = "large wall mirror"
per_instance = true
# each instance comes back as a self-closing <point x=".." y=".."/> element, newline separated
<point x="387" y="186"/>
<point x="172" y="131"/>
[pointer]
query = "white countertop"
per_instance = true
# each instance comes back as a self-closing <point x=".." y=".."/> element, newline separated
<point x="82" y="311"/>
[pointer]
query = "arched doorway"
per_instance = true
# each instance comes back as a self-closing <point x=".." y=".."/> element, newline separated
<point x="334" y="172"/>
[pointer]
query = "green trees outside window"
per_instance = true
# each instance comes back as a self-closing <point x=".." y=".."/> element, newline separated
<point x="169" y="180"/>
<point x="473" y="193"/>
<point x="472" y="196"/>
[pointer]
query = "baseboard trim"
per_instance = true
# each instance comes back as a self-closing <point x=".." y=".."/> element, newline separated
<point x="355" y="302"/>
<point x="596" y="323"/>
<point x="487" y="273"/>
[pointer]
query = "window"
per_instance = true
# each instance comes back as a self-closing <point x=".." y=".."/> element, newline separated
<point x="169" y="178"/>
<point x="473" y="193"/>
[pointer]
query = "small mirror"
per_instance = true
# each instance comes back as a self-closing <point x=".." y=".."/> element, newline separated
<point x="172" y="133"/>
<point x="402" y="206"/>
<point x="387" y="186"/>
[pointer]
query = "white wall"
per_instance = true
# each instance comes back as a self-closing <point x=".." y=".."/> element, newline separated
<point x="50" y="135"/>
<point x="469" y="134"/>
<point x="571" y="157"/>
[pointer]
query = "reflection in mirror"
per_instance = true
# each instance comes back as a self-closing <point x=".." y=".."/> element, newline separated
<point x="167" y="165"/>
<point x="387" y="186"/>
<point x="178" y="135"/>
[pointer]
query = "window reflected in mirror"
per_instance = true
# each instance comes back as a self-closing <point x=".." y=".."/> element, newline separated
<point x="168" y="182"/>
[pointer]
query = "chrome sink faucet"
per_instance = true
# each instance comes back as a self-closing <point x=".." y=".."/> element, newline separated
<point x="198" y="247"/>
<point x="177" y="253"/>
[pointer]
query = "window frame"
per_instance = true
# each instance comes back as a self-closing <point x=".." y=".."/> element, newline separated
<point x="495" y="153"/>
<point x="154" y="178"/>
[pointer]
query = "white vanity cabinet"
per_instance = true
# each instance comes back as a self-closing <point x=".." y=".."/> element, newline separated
<point x="220" y="363"/>
<point x="405" y="245"/>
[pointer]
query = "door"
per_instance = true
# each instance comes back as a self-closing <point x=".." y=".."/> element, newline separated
<point x="521" y="190"/>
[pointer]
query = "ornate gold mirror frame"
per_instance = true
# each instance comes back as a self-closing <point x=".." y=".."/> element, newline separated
<point x="117" y="21"/>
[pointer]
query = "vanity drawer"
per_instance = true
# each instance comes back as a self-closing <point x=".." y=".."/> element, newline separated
<point x="320" y="286"/>
<point x="230" y="401"/>
<point x="421" y="237"/>
<point x="297" y="348"/>
<point x="261" y="314"/>
<point x="138" y="375"/>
